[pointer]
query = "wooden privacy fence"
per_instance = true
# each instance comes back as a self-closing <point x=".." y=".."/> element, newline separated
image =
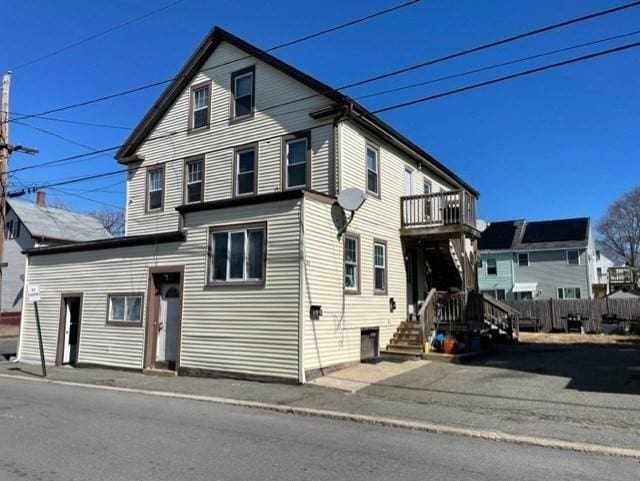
<point x="552" y="313"/>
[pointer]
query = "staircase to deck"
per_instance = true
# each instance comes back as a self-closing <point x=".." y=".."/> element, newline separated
<point x="406" y="341"/>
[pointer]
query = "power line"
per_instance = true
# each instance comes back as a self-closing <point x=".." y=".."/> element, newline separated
<point x="58" y="136"/>
<point x="94" y="36"/>
<point x="286" y="44"/>
<point x="507" y="77"/>
<point x="384" y="109"/>
<point x="81" y="157"/>
<point x="75" y="122"/>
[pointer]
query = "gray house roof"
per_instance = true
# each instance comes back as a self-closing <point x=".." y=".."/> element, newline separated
<point x="57" y="224"/>
<point x="537" y="235"/>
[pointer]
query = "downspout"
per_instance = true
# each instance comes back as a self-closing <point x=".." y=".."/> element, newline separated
<point x="301" y="373"/>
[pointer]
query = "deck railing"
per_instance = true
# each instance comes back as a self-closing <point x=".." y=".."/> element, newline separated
<point x="455" y="207"/>
<point x="622" y="275"/>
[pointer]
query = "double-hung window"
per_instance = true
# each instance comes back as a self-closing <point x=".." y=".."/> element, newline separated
<point x="351" y="264"/>
<point x="568" y="293"/>
<point x="373" y="170"/>
<point x="13" y="229"/>
<point x="194" y="181"/>
<point x="573" y="257"/>
<point x="200" y="106"/>
<point x="523" y="259"/>
<point x="238" y="255"/>
<point x="243" y="93"/>
<point x="155" y="188"/>
<point x="380" y="267"/>
<point x="296" y="157"/>
<point x="492" y="267"/>
<point x="245" y="171"/>
<point x="124" y="309"/>
<point x="426" y="186"/>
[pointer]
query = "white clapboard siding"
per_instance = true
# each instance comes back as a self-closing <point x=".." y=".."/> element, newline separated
<point x="272" y="87"/>
<point x="335" y="338"/>
<point x="241" y="330"/>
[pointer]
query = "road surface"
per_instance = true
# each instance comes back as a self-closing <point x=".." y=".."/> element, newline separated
<point x="52" y="432"/>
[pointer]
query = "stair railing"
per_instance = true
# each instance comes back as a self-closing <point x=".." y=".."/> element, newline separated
<point x="427" y="313"/>
<point x="500" y="313"/>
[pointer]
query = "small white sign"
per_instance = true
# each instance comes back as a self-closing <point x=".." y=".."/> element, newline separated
<point x="33" y="292"/>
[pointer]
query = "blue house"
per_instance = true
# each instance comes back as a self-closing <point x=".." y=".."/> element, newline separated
<point x="518" y="259"/>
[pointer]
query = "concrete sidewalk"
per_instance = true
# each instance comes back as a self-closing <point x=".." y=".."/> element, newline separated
<point x="482" y="397"/>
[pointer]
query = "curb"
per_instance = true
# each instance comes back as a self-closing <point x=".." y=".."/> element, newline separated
<point x="497" y="436"/>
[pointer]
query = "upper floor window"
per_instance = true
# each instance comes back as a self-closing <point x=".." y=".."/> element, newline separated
<point x="155" y="188"/>
<point x="380" y="267"/>
<point x="245" y="170"/>
<point x="597" y="255"/>
<point x="238" y="255"/>
<point x="492" y="267"/>
<point x="243" y="93"/>
<point x="194" y="191"/>
<point x="200" y="106"/>
<point x="351" y="264"/>
<point x="573" y="257"/>
<point x="373" y="170"/>
<point x="296" y="160"/>
<point x="568" y="293"/>
<point x="13" y="229"/>
<point x="523" y="259"/>
<point x="427" y="186"/>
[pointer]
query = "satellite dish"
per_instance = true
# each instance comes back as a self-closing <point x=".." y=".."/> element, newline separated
<point x="481" y="225"/>
<point x="351" y="199"/>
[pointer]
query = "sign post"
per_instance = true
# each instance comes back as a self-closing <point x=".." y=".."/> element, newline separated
<point x="33" y="293"/>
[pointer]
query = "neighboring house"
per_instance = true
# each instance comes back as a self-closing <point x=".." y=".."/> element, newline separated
<point x="231" y="262"/>
<point x="30" y="225"/>
<point x="604" y="261"/>
<point x="518" y="259"/>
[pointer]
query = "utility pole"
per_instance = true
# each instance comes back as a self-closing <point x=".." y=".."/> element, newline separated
<point x="4" y="160"/>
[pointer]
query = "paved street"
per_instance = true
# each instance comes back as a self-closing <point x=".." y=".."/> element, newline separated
<point x="51" y="432"/>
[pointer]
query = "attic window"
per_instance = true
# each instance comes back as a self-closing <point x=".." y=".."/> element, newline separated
<point x="200" y="106"/>
<point x="243" y="93"/>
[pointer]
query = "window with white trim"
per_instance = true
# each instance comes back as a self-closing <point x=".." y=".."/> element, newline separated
<point x="245" y="168"/>
<point x="351" y="264"/>
<point x="373" y="170"/>
<point x="296" y="159"/>
<point x="524" y="295"/>
<point x="492" y="267"/>
<point x="155" y="188"/>
<point x="568" y="293"/>
<point x="573" y="257"/>
<point x="523" y="259"/>
<point x="238" y="255"/>
<point x="200" y="107"/>
<point x="194" y="184"/>
<point x="426" y="186"/>
<point x="125" y="308"/>
<point x="380" y="266"/>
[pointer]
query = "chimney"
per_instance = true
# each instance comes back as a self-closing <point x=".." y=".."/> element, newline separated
<point x="40" y="198"/>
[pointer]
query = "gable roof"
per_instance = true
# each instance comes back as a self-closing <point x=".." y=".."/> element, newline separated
<point x="545" y="234"/>
<point x="57" y="224"/>
<point x="203" y="52"/>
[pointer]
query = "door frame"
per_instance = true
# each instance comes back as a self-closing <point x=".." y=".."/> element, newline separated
<point x="61" y="326"/>
<point x="153" y="306"/>
<point x="411" y="262"/>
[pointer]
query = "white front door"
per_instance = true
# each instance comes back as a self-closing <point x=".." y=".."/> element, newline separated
<point x="66" y="355"/>
<point x="168" y="318"/>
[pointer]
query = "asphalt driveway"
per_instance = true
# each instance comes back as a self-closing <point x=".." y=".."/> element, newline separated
<point x="585" y="390"/>
<point x="8" y="347"/>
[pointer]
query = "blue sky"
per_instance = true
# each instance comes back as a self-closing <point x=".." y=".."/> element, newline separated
<point x="558" y="144"/>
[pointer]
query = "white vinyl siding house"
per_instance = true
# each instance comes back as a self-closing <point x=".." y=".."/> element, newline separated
<point x="244" y="231"/>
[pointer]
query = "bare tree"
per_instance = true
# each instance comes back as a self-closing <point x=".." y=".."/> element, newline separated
<point x="112" y="219"/>
<point x="620" y="227"/>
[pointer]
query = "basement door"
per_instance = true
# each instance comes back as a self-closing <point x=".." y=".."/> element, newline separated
<point x="168" y="319"/>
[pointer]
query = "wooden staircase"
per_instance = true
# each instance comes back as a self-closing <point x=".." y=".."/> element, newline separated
<point x="406" y="341"/>
<point x="445" y="272"/>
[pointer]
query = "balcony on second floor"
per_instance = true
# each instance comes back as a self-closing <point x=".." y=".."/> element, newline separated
<point x="439" y="215"/>
<point x="624" y="277"/>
